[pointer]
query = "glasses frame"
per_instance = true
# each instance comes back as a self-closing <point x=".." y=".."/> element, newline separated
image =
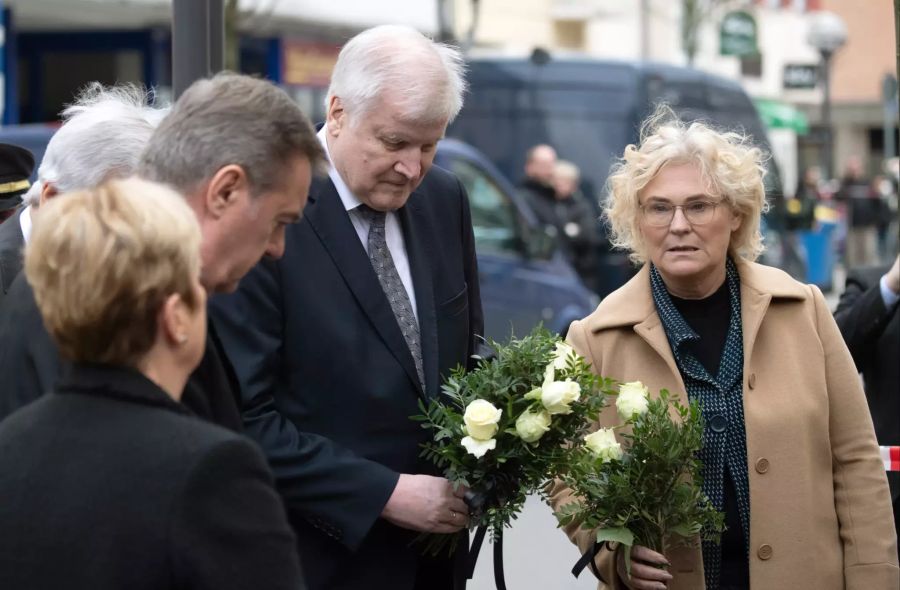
<point x="684" y="212"/>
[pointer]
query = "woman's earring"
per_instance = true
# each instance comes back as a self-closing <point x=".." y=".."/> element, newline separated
<point x="182" y="338"/>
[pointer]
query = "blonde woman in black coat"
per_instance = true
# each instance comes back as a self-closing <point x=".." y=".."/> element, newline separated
<point x="110" y="482"/>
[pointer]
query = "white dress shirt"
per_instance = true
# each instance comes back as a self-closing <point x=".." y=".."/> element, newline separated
<point x="25" y="223"/>
<point x="393" y="233"/>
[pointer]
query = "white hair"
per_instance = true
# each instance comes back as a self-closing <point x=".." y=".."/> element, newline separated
<point x="102" y="136"/>
<point x="428" y="78"/>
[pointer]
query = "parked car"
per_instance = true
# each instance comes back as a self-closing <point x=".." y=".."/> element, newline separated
<point x="525" y="277"/>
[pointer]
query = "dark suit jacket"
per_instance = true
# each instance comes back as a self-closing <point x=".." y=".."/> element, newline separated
<point x="329" y="383"/>
<point x="872" y="334"/>
<point x="110" y="484"/>
<point x="30" y="364"/>
<point x="11" y="242"/>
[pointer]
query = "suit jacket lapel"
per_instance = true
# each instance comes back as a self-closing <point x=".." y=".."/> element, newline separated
<point x="419" y="249"/>
<point x="329" y="220"/>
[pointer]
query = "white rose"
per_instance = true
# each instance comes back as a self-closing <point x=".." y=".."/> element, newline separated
<point x="561" y="355"/>
<point x="603" y="445"/>
<point x="481" y="419"/>
<point x="558" y="361"/>
<point x="632" y="399"/>
<point x="557" y="396"/>
<point x="531" y="426"/>
<point x="479" y="447"/>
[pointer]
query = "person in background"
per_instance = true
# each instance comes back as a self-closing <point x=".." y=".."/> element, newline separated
<point x="789" y="451"/>
<point x="863" y="208"/>
<point x="577" y="225"/>
<point x="538" y="186"/>
<point x="867" y="314"/>
<point x="109" y="482"/>
<point x="16" y="166"/>
<point x="375" y="301"/>
<point x="801" y="208"/>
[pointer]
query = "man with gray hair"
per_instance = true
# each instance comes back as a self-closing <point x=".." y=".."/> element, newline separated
<point x="242" y="154"/>
<point x="375" y="300"/>
<point x="102" y="136"/>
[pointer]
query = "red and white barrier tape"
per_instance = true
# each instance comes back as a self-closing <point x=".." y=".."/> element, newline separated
<point x="891" y="458"/>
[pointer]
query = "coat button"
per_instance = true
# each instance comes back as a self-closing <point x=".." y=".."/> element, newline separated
<point x="752" y="381"/>
<point x="718" y="423"/>
<point x="762" y="465"/>
<point x="764" y="552"/>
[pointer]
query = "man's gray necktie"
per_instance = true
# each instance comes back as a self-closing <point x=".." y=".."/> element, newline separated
<point x="392" y="286"/>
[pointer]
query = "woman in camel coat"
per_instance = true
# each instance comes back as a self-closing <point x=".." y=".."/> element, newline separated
<point x="789" y="450"/>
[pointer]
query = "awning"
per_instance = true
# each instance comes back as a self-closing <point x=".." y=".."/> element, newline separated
<point x="779" y="115"/>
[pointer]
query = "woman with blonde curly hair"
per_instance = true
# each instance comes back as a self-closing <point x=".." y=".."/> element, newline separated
<point x="789" y="451"/>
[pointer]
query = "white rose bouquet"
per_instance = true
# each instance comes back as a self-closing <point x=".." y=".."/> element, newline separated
<point x="646" y="491"/>
<point x="502" y="429"/>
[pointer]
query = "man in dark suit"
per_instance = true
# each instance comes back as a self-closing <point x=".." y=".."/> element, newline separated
<point x="375" y="299"/>
<point x="868" y="317"/>
<point x="102" y="136"/>
<point x="16" y="165"/>
<point x="242" y="153"/>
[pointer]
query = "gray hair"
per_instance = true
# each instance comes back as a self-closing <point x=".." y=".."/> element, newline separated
<point x="102" y="137"/>
<point x="428" y="77"/>
<point x="230" y="119"/>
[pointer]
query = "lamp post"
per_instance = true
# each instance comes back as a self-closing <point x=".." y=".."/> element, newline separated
<point x="827" y="33"/>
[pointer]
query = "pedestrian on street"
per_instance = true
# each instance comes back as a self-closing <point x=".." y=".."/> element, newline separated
<point x="577" y="223"/>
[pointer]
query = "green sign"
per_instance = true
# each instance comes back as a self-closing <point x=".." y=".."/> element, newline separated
<point x="737" y="35"/>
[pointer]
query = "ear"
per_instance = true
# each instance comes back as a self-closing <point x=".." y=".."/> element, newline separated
<point x="173" y="321"/>
<point x="337" y="116"/>
<point x="48" y="191"/>
<point x="736" y="220"/>
<point x="229" y="185"/>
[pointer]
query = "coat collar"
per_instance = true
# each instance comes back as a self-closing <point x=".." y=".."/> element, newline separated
<point x="632" y="304"/>
<point x="117" y="382"/>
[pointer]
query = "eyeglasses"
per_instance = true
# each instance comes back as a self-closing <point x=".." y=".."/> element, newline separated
<point x="661" y="214"/>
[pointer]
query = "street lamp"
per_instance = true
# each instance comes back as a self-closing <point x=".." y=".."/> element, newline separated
<point x="827" y="33"/>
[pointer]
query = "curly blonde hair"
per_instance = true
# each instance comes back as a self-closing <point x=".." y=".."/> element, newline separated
<point x="730" y="164"/>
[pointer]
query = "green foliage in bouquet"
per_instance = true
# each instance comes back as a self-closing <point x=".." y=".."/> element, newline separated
<point x="650" y="492"/>
<point x="502" y="428"/>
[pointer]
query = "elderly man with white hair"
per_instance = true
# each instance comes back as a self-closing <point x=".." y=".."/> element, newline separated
<point x="332" y="368"/>
<point x="102" y="136"/>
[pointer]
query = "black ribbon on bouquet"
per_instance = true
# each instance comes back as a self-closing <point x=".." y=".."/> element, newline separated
<point x="465" y="568"/>
<point x="588" y="560"/>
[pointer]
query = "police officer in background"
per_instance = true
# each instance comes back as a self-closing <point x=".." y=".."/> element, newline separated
<point x="16" y="165"/>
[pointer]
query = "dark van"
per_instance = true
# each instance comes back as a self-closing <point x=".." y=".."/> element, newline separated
<point x="589" y="110"/>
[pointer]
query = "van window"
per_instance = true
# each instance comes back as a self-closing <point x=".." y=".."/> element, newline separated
<point x="493" y="212"/>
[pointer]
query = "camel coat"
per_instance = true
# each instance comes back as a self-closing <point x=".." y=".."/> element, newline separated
<point x="820" y="511"/>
